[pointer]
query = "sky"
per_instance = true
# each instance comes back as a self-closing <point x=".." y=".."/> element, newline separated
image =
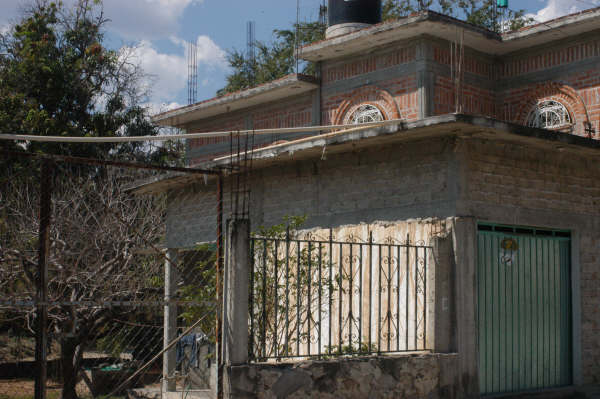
<point x="157" y="31"/>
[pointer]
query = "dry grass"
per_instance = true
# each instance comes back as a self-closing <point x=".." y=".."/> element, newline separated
<point x="25" y="389"/>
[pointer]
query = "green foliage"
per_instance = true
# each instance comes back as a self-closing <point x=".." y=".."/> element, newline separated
<point x="349" y="350"/>
<point x="202" y="291"/>
<point x="273" y="60"/>
<point x="476" y="12"/>
<point x="286" y="286"/>
<point x="57" y="78"/>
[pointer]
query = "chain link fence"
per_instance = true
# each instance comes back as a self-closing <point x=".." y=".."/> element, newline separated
<point x="100" y="312"/>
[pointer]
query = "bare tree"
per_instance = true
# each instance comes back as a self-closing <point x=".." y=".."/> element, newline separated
<point x="97" y="231"/>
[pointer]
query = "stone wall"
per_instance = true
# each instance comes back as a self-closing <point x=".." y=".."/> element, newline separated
<point x="403" y="376"/>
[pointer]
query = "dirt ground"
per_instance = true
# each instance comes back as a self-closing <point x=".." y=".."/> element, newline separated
<point x="25" y="389"/>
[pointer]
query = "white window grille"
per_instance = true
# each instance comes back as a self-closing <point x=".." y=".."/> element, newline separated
<point x="367" y="113"/>
<point x="549" y="115"/>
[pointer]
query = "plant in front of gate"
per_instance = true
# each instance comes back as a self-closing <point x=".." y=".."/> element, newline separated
<point x="293" y="281"/>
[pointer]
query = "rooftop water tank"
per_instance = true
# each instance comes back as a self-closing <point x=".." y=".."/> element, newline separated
<point x="346" y="16"/>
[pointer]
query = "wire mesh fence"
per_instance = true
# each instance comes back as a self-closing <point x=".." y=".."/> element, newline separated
<point x="96" y="311"/>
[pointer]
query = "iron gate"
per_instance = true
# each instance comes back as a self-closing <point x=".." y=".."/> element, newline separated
<point x="524" y="312"/>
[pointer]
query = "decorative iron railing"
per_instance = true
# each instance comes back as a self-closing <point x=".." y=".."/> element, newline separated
<point x="321" y="298"/>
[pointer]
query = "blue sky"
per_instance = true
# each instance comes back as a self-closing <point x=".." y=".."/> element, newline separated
<point x="154" y="31"/>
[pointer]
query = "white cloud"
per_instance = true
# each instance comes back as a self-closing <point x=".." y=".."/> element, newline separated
<point x="147" y="19"/>
<point x="168" y="72"/>
<point x="558" y="8"/>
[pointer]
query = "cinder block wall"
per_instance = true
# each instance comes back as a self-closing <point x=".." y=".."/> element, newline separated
<point x="523" y="185"/>
<point x="383" y="183"/>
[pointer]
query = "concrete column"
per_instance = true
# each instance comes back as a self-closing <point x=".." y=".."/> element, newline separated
<point x="170" y="320"/>
<point x="441" y="327"/>
<point x="235" y="293"/>
<point x="465" y="255"/>
<point x="235" y="300"/>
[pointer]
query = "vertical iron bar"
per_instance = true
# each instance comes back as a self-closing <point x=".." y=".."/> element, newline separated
<point x="370" y="288"/>
<point x="398" y="297"/>
<point x="389" y="304"/>
<point x="350" y="288"/>
<point x="379" y="301"/>
<point x="320" y="293"/>
<point x="309" y="302"/>
<point x="41" y="340"/>
<point x="416" y="296"/>
<point x="330" y="283"/>
<point x="276" y="298"/>
<point x="424" y="297"/>
<point x="340" y="288"/>
<point x="218" y="288"/>
<point x="287" y="291"/>
<point x="360" y="297"/>
<point x="264" y="301"/>
<point x="251" y="300"/>
<point x="406" y="278"/>
<point x="298" y="303"/>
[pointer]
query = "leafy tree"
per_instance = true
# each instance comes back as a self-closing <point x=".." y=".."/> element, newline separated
<point x="58" y="79"/>
<point x="476" y="12"/>
<point x="273" y="60"/>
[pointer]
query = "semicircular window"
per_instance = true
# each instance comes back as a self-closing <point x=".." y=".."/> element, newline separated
<point x="367" y="113"/>
<point x="549" y="115"/>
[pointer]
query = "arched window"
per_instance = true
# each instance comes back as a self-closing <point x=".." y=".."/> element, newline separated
<point x="367" y="113"/>
<point x="549" y="115"/>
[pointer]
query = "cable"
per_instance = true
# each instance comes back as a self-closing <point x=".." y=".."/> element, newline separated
<point x="305" y="129"/>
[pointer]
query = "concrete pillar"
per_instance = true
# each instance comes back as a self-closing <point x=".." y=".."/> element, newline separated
<point x="170" y="320"/>
<point x="235" y="293"/>
<point x="465" y="255"/>
<point x="441" y="327"/>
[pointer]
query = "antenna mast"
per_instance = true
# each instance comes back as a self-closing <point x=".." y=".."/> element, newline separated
<point x="251" y="50"/>
<point x="192" y="57"/>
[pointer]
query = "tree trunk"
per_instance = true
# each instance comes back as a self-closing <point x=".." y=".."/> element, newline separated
<point x="68" y="353"/>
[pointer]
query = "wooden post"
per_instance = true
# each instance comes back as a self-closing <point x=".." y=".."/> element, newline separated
<point x="41" y="339"/>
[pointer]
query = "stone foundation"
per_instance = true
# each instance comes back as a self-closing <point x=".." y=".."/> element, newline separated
<point x="401" y="376"/>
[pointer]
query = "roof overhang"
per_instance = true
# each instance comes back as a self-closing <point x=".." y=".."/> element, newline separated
<point x="451" y="125"/>
<point x="444" y="27"/>
<point x="288" y="86"/>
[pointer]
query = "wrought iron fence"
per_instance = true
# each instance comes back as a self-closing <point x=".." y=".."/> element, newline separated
<point x="320" y="298"/>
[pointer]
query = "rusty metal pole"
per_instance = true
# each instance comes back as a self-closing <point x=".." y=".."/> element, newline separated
<point x="41" y="340"/>
<point x="219" y="286"/>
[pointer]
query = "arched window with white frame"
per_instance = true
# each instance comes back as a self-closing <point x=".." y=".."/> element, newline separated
<point x="367" y="113"/>
<point x="550" y="115"/>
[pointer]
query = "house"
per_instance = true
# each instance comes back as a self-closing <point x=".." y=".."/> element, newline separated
<point x="486" y="152"/>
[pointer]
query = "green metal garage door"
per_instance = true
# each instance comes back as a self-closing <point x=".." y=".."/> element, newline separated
<point x="524" y="308"/>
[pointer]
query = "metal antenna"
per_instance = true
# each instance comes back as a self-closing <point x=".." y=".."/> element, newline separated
<point x="192" y="57"/>
<point x="250" y="50"/>
<point x="297" y="34"/>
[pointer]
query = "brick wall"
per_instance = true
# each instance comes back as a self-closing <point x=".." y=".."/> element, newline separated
<point x="513" y="184"/>
<point x="476" y="100"/>
<point x="291" y="112"/>
<point x="334" y="71"/>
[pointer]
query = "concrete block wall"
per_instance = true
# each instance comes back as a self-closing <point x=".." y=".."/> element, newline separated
<point x="382" y="183"/>
<point x="519" y="185"/>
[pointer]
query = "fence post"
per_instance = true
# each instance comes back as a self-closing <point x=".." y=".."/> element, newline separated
<point x="235" y="296"/>
<point x="170" y="321"/>
<point x="41" y="341"/>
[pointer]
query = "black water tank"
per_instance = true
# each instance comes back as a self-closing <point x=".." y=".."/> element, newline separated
<point x="357" y="11"/>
